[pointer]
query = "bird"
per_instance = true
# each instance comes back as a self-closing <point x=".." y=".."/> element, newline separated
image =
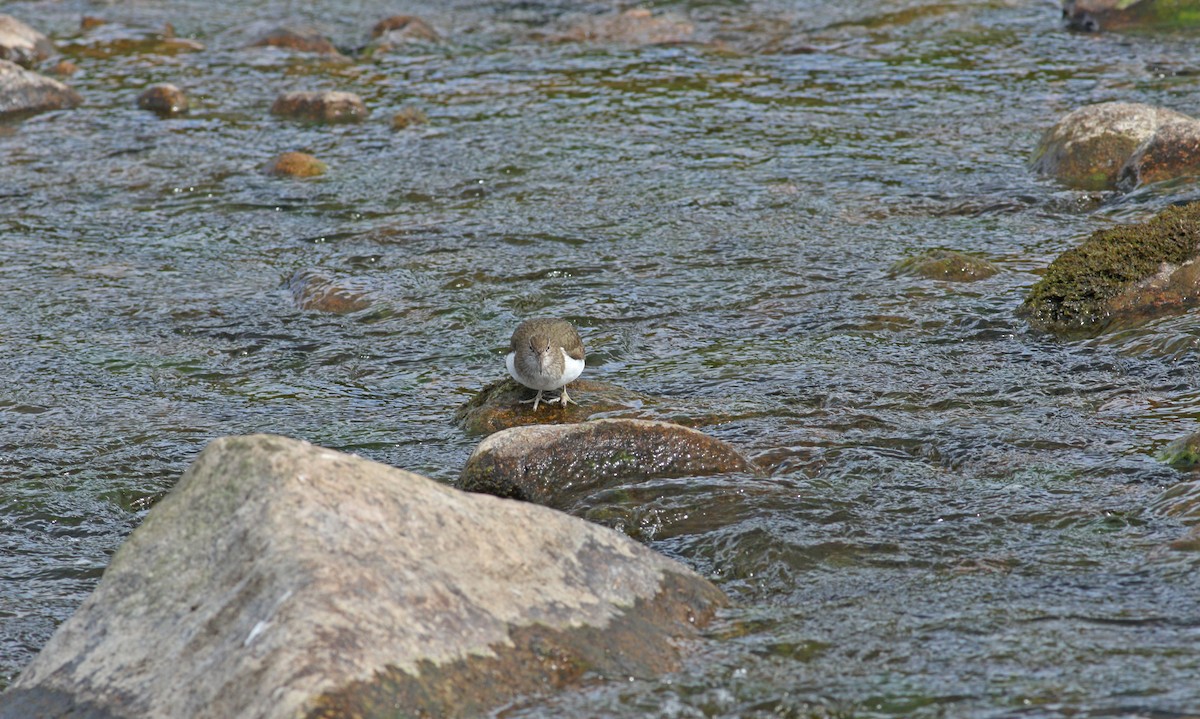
<point x="545" y="354"/>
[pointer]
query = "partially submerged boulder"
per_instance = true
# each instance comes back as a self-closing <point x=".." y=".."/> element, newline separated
<point x="942" y="264"/>
<point x="25" y="91"/>
<point x="103" y="39"/>
<point x="1100" y="15"/>
<point x="296" y="164"/>
<point x="555" y="464"/>
<point x="636" y="26"/>
<point x="1111" y="144"/>
<point x="1123" y="275"/>
<point x="299" y="39"/>
<point x="164" y="100"/>
<point x="22" y="44"/>
<point x="331" y="107"/>
<point x="279" y="579"/>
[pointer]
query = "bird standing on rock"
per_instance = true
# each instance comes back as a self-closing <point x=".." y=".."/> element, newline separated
<point x="545" y="354"/>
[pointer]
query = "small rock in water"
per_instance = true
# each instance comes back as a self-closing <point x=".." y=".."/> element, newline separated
<point x="552" y="464"/>
<point x="64" y="67"/>
<point x="401" y="29"/>
<point x="281" y="580"/>
<point x="949" y="265"/>
<point x="301" y="39"/>
<point x="407" y="117"/>
<point x="1118" y="144"/>
<point x="330" y="107"/>
<point x="22" y="44"/>
<point x="498" y="405"/>
<point x="1182" y="453"/>
<point x="23" y="91"/>
<point x="296" y="164"/>
<point x="164" y="99"/>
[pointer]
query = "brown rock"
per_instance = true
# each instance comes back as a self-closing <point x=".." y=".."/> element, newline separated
<point x="326" y="107"/>
<point x="498" y="405"/>
<point x="282" y="580"/>
<point x="1173" y="151"/>
<point x="638" y="26"/>
<point x="22" y="44"/>
<point x="301" y="39"/>
<point x="1089" y="147"/>
<point x="407" y="117"/>
<point x="296" y="164"/>
<point x="164" y="99"/>
<point x="317" y="292"/>
<point x="64" y="67"/>
<point x="555" y="464"/>
<point x="399" y="29"/>
<point x="24" y="91"/>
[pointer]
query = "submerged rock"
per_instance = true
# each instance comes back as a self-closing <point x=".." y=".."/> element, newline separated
<point x="314" y="291"/>
<point x="22" y="44"/>
<point x="330" y="107"/>
<point x="164" y="99"/>
<point x="296" y="164"/>
<point x="105" y="39"/>
<point x="1118" y="144"/>
<point x="407" y="117"/>
<point x="1098" y="15"/>
<point x="637" y="26"/>
<point x="300" y="39"/>
<point x="554" y="464"/>
<point x="1124" y="275"/>
<point x="498" y="405"/>
<point x="24" y="91"/>
<point x="279" y="579"/>
<point x="939" y="264"/>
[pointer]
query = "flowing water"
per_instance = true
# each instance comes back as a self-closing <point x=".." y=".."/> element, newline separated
<point x="958" y="516"/>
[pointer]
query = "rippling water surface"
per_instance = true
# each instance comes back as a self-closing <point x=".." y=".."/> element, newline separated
<point x="959" y="515"/>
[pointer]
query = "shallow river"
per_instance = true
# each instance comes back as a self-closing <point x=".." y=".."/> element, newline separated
<point x="958" y="517"/>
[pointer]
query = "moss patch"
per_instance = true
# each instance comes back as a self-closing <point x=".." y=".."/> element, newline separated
<point x="1073" y="296"/>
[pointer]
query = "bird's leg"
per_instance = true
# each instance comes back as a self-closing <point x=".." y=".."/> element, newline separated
<point x="563" y="399"/>
<point x="535" y="400"/>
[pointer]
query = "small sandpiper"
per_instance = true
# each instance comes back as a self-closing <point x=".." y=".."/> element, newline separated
<point x="545" y="354"/>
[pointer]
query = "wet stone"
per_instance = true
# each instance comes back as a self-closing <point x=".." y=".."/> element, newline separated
<point x="165" y="100"/>
<point x="317" y="292"/>
<point x="1122" y="276"/>
<point x="1182" y="453"/>
<point x="554" y="465"/>
<point x="1089" y="146"/>
<point x="103" y="39"/>
<point x="22" y="44"/>
<point x="498" y="405"/>
<point x="25" y="91"/>
<point x="279" y="580"/>
<point x="296" y="164"/>
<point x="399" y="30"/>
<point x="322" y="107"/>
<point x="1173" y="151"/>
<point x="64" y="68"/>
<point x="408" y="117"/>
<point x="940" y="264"/>
<point x="300" y="39"/>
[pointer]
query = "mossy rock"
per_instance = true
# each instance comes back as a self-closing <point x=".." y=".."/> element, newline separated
<point x="1183" y="453"/>
<point x="499" y="405"/>
<point x="940" y="264"/>
<point x="1129" y="273"/>
<point x="1104" y="15"/>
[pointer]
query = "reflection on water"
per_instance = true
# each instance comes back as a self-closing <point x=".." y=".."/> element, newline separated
<point x="959" y="517"/>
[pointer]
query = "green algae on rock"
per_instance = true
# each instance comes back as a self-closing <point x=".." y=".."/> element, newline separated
<point x="941" y="264"/>
<point x="1130" y="273"/>
<point x="1182" y="453"/>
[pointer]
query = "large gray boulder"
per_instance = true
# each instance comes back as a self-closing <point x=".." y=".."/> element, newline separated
<point x="280" y="579"/>
<point x="25" y="91"/>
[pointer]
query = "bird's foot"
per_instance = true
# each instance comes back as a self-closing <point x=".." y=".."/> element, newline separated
<point x="535" y="400"/>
